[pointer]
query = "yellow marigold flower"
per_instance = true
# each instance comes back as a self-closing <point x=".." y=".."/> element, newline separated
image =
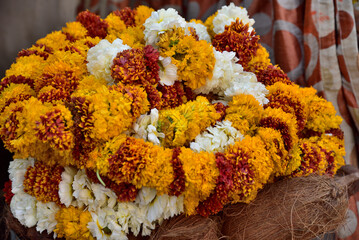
<point x="89" y="85"/>
<point x="75" y="60"/>
<point x="321" y="115"/>
<point x="133" y="37"/>
<point x="244" y="111"/>
<point x="98" y="158"/>
<point x="183" y="123"/>
<point x="72" y="223"/>
<point x="111" y="112"/>
<point x="252" y="167"/>
<point x="201" y="174"/>
<point x="194" y="60"/>
<point x="81" y="46"/>
<point x="28" y="135"/>
<point x="60" y="75"/>
<point x="261" y="57"/>
<point x="334" y="151"/>
<point x="29" y="67"/>
<point x="55" y="40"/>
<point x="115" y="25"/>
<point x="293" y="160"/>
<point x="15" y="92"/>
<point x="284" y="122"/>
<point x="169" y="39"/>
<point x="290" y="100"/>
<point x="273" y="142"/>
<point x="142" y="13"/>
<point x="209" y="24"/>
<point x="75" y="30"/>
<point x="158" y="171"/>
<point x="313" y="158"/>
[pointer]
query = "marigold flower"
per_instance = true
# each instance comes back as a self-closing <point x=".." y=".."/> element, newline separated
<point x="127" y="15"/>
<point x="269" y="74"/>
<point x="74" y="31"/>
<point x="245" y="112"/>
<point x="72" y="224"/>
<point x="290" y="100"/>
<point x="96" y="27"/>
<point x="239" y="39"/>
<point x="7" y="192"/>
<point x="6" y="81"/>
<point x="42" y="181"/>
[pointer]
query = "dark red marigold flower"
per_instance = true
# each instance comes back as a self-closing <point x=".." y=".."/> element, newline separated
<point x="96" y="27"/>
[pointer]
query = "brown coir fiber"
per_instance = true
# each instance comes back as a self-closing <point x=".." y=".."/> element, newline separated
<point x="188" y="228"/>
<point x="298" y="208"/>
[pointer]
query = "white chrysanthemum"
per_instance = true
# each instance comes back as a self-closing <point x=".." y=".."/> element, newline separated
<point x="168" y="72"/>
<point x="17" y="170"/>
<point x="247" y="84"/>
<point x="217" y="138"/>
<point x="159" y="22"/>
<point x="145" y="196"/>
<point x="228" y="14"/>
<point x="82" y="189"/>
<point x="100" y="58"/>
<point x="138" y="217"/>
<point x="225" y="69"/>
<point x="65" y="186"/>
<point x="23" y="208"/>
<point x="123" y="214"/>
<point x="46" y="216"/>
<point x="201" y="31"/>
<point x="146" y="127"/>
<point x="104" y="197"/>
<point x="103" y="225"/>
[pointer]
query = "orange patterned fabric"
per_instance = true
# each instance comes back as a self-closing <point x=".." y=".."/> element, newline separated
<point x="313" y="41"/>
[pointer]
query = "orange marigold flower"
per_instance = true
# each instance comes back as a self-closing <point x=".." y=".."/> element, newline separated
<point x="129" y="160"/>
<point x="154" y="97"/>
<point x="96" y="27"/>
<point x="215" y="202"/>
<point x="290" y="100"/>
<point x="269" y="74"/>
<point x="172" y="96"/>
<point x="19" y="79"/>
<point x="136" y="66"/>
<point x="53" y="128"/>
<point x="284" y="122"/>
<point x="42" y="181"/>
<point x="237" y="38"/>
<point x="127" y="15"/>
<point x="178" y="185"/>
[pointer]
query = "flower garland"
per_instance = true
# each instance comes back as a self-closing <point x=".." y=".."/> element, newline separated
<point x="119" y="123"/>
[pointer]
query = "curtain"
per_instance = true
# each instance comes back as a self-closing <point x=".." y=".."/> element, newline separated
<point x="313" y="41"/>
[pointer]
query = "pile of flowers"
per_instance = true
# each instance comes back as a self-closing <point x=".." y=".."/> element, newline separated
<point x="117" y="124"/>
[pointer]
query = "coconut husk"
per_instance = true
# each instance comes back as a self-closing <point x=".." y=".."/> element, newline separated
<point x="296" y="208"/>
<point x="188" y="228"/>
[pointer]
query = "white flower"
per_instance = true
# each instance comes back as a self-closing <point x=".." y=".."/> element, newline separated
<point x="123" y="215"/>
<point x="217" y="138"/>
<point x="100" y="58"/>
<point x="104" y="197"/>
<point x="46" y="216"/>
<point x="225" y="69"/>
<point x="82" y="189"/>
<point x="247" y="83"/>
<point x="168" y="72"/>
<point x="201" y="31"/>
<point x="17" y="170"/>
<point x="65" y="186"/>
<point x="159" y="22"/>
<point x="145" y="196"/>
<point x="146" y="127"/>
<point x="102" y="224"/>
<point x="228" y="14"/>
<point x="23" y="207"/>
